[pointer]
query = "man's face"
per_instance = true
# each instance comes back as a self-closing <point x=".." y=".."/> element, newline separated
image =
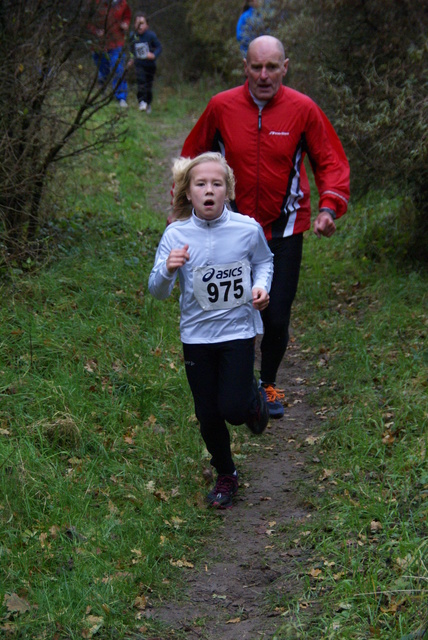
<point x="265" y="68"/>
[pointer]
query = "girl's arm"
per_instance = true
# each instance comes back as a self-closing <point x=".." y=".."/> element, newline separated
<point x="164" y="272"/>
<point x="261" y="261"/>
<point x="161" y="281"/>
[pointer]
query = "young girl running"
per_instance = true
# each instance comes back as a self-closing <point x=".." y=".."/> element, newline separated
<point x="225" y="270"/>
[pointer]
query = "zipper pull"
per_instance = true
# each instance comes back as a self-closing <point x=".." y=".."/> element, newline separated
<point x="260" y="119"/>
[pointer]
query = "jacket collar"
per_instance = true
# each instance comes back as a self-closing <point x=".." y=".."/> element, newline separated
<point x="217" y="222"/>
<point x="270" y="103"/>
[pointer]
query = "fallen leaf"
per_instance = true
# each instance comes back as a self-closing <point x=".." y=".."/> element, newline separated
<point x="150" y="486"/>
<point x="43" y="537"/>
<point x="112" y="508"/>
<point x="140" y="603"/>
<point x="233" y="621"/>
<point x="90" y="365"/>
<point x="404" y="563"/>
<point x="96" y="623"/>
<point x="388" y="438"/>
<point x="375" y="525"/>
<point x="181" y="563"/>
<point x="161" y="495"/>
<point x="315" y="573"/>
<point x="15" y="604"/>
<point x="326" y="473"/>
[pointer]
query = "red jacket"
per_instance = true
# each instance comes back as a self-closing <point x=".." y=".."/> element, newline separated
<point x="266" y="150"/>
<point x="108" y="17"/>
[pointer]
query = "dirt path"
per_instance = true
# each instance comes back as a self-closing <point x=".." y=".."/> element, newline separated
<point x="251" y="562"/>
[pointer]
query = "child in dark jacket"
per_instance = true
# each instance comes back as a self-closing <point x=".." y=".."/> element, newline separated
<point x="145" y="49"/>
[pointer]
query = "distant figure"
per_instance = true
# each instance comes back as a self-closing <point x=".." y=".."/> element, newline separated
<point x="109" y="24"/>
<point x="145" y="49"/>
<point x="250" y="25"/>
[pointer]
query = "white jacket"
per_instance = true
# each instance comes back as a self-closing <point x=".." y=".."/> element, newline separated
<point x="231" y="238"/>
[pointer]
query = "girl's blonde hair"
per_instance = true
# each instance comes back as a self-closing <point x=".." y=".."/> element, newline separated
<point x="181" y="171"/>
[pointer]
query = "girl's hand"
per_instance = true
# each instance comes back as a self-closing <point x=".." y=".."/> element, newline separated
<point x="177" y="258"/>
<point x="260" y="299"/>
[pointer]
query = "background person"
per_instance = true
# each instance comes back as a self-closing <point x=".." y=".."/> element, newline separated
<point x="264" y="130"/>
<point x="224" y="268"/>
<point x="109" y="23"/>
<point x="145" y="49"/>
<point x="250" y="25"/>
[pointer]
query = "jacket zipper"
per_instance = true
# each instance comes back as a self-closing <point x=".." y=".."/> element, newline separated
<point x="259" y="128"/>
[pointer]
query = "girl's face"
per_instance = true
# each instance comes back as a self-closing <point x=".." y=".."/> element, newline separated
<point x="141" y="25"/>
<point x="207" y="190"/>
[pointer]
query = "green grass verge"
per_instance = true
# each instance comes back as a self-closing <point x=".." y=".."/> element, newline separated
<point x="364" y="325"/>
<point x="101" y="461"/>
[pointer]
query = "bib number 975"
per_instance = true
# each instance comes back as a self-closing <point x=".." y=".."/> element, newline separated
<point x="223" y="289"/>
<point x="223" y="286"/>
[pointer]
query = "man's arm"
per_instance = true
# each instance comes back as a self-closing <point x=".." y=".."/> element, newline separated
<point x="331" y="171"/>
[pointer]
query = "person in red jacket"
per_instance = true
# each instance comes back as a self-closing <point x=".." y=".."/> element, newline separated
<point x="265" y="129"/>
<point x="109" y="23"/>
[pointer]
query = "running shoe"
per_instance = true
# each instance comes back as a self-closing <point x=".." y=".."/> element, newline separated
<point x="273" y="398"/>
<point x="258" y="420"/>
<point x="225" y="488"/>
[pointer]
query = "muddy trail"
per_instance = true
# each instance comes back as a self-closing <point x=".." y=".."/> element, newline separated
<point x="253" y="561"/>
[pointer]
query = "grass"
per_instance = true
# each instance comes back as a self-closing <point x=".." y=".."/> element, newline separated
<point x="101" y="482"/>
<point x="364" y="323"/>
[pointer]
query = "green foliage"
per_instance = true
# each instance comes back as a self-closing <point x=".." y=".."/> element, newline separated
<point x="384" y="228"/>
<point x="48" y="98"/>
<point x="213" y="25"/>
<point x="365" y="63"/>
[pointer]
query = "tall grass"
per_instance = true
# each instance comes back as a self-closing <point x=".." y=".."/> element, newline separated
<point x="364" y="323"/>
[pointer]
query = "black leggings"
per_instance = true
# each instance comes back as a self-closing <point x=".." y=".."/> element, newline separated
<point x="221" y="380"/>
<point x="145" y="75"/>
<point x="276" y="317"/>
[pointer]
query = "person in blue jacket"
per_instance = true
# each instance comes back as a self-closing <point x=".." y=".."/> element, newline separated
<point x="145" y="49"/>
<point x="250" y="25"/>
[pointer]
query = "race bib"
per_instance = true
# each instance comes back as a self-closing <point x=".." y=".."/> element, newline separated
<point x="222" y="287"/>
<point x="141" y="50"/>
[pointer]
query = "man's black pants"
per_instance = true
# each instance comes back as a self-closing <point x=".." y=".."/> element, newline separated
<point x="276" y="317"/>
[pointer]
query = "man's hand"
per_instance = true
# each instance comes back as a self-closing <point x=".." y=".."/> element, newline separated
<point x="260" y="299"/>
<point x="324" y="225"/>
<point x="177" y="258"/>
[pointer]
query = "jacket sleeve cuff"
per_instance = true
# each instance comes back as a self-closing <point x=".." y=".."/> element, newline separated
<point x="328" y="210"/>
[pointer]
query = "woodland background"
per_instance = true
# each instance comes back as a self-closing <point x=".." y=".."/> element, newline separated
<point x="363" y="61"/>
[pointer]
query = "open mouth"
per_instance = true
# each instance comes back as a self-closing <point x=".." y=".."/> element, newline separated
<point x="209" y="203"/>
